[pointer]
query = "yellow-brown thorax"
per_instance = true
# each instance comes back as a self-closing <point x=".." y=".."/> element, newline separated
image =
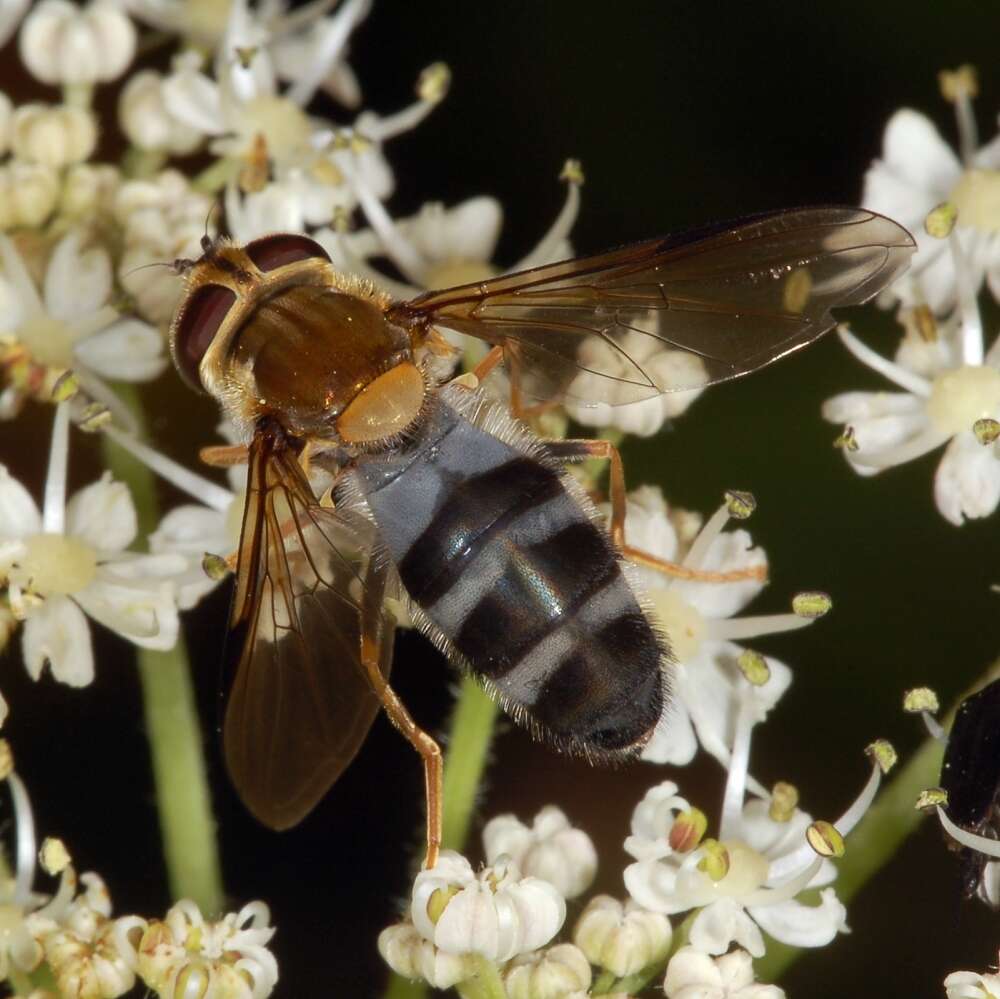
<point x="272" y="330"/>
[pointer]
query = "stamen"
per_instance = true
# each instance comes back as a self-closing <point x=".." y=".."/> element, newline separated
<point x="24" y="832"/>
<point x="739" y="629"/>
<point x="981" y="844"/>
<point x="895" y="373"/>
<point x="54" y="505"/>
<point x="707" y="535"/>
<point x="783" y="892"/>
<point x="559" y="231"/>
<point x="402" y="253"/>
<point x="739" y="761"/>
<point x="934" y="727"/>
<point x="972" y="327"/>
<point x="927" y="440"/>
<point x="338" y="31"/>
<point x="194" y="485"/>
<point x="402" y="121"/>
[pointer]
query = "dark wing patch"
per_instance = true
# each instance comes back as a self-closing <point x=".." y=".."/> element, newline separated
<point x="732" y="297"/>
<point x="299" y="705"/>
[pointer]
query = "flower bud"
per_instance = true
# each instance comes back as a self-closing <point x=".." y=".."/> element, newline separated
<point x="56" y="136"/>
<point x="28" y="194"/>
<point x="551" y="849"/>
<point x="88" y="189"/>
<point x="496" y="913"/>
<point x="622" y="938"/>
<point x="692" y="974"/>
<point x="548" y="974"/>
<point x="61" y="43"/>
<point x="86" y="970"/>
<point x="144" y="118"/>
<point x="410" y="955"/>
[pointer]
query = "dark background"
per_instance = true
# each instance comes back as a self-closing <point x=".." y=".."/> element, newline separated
<point x="681" y="113"/>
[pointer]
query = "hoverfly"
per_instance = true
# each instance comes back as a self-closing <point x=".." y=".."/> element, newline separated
<point x="970" y="774"/>
<point x="452" y="502"/>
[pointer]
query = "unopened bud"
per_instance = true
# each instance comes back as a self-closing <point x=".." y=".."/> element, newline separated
<point x="622" y="939"/>
<point x="549" y="974"/>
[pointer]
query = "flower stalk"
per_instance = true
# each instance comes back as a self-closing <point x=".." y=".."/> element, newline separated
<point x="187" y="825"/>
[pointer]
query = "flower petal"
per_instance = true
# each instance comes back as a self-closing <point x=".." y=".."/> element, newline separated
<point x="723" y="922"/>
<point x="967" y="483"/>
<point x="77" y="283"/>
<point x="193" y="98"/>
<point x="801" y="925"/>
<point x="103" y="515"/>
<point x="56" y="633"/>
<point x="19" y="516"/>
<point x="673" y="740"/>
<point x="128" y="350"/>
<point x="915" y="151"/>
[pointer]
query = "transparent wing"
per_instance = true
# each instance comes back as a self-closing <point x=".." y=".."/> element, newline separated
<point x="299" y="705"/>
<point x="718" y="302"/>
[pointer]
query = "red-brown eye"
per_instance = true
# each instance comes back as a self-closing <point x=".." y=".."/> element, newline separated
<point x="196" y="327"/>
<point x="272" y="252"/>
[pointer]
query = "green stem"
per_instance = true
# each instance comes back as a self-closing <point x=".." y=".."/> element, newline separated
<point x="172" y="726"/>
<point x="468" y="747"/>
<point x="484" y="984"/>
<point x="404" y="988"/>
<point x="878" y="836"/>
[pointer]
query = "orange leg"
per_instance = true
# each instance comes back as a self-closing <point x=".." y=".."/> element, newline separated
<point x="578" y="450"/>
<point x="372" y="637"/>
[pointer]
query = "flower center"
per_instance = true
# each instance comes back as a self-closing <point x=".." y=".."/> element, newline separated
<point x="960" y="397"/>
<point x="283" y="124"/>
<point x="55" y="564"/>
<point x="747" y="870"/>
<point x="684" y="626"/>
<point x="977" y="198"/>
<point x="449" y="273"/>
<point x="49" y="340"/>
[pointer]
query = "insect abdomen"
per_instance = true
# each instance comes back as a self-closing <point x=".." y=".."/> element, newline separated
<point x="519" y="583"/>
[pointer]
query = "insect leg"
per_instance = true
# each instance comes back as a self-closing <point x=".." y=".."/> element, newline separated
<point x="579" y="450"/>
<point x="372" y="626"/>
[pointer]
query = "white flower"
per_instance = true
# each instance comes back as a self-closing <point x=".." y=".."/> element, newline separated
<point x="622" y="938"/>
<point x="555" y="973"/>
<point x="28" y="194"/>
<point x="919" y="171"/>
<point x="692" y="974"/>
<point x="144" y="118"/>
<point x="163" y="219"/>
<point x="747" y="880"/>
<point x="948" y="385"/>
<point x="442" y="247"/>
<point x="496" y="913"/>
<point x="88" y="190"/>
<point x="410" y="955"/>
<point x="71" y="325"/>
<point x="56" y="136"/>
<point x="70" y="561"/>
<point x="185" y="955"/>
<point x="61" y="43"/>
<point x="698" y="618"/>
<point x="551" y="849"/>
<point x="971" y="985"/>
<point x="11" y="12"/>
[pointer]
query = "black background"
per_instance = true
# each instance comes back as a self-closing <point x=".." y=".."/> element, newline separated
<point x="681" y="113"/>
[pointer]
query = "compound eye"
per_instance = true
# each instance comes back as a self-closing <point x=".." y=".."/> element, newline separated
<point x="202" y="315"/>
<point x="271" y="252"/>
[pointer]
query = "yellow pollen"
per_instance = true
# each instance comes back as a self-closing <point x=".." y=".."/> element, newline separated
<point x="977" y="198"/>
<point x="283" y="124"/>
<point x="960" y="397"/>
<point x="449" y="273"/>
<point x="684" y="626"/>
<point x="55" y="564"/>
<point x="50" y="341"/>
